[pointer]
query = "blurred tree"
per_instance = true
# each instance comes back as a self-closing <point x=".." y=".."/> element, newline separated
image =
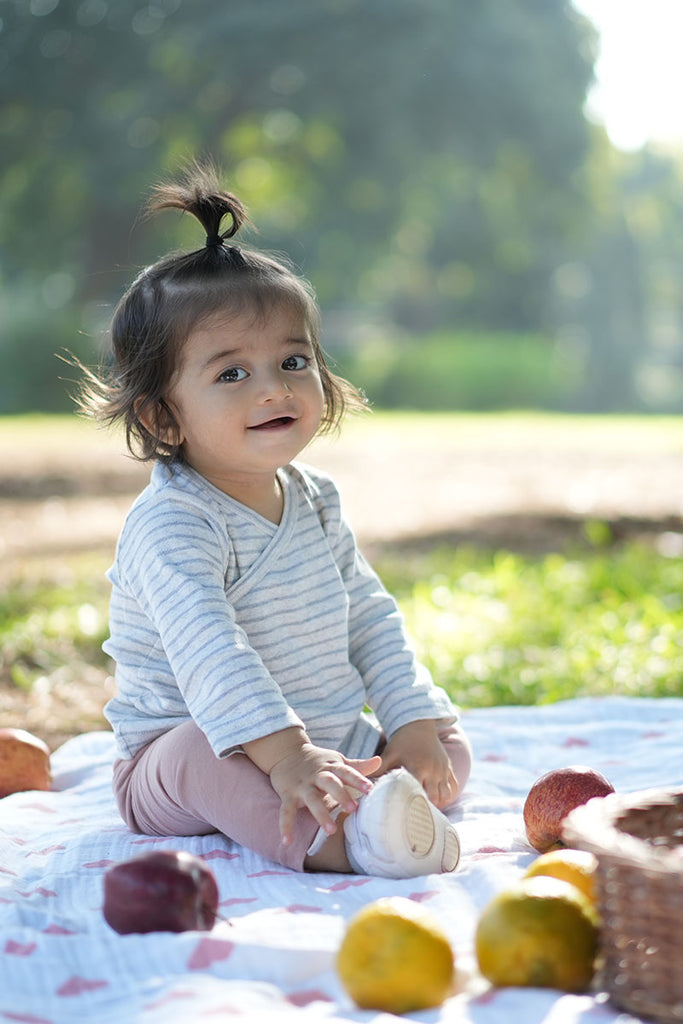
<point x="428" y="159"/>
<point x="346" y="123"/>
<point x="617" y="295"/>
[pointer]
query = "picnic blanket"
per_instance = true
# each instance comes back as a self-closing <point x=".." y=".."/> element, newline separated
<point x="272" y="955"/>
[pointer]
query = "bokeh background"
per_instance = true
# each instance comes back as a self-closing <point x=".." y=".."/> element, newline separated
<point x="477" y="239"/>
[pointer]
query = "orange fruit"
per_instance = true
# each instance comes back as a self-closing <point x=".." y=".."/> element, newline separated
<point x="395" y="957"/>
<point x="541" y="933"/>
<point x="574" y="866"/>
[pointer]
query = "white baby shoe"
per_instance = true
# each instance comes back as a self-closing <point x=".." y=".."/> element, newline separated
<point x="396" y="832"/>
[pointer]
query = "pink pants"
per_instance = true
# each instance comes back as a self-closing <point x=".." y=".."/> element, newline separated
<point x="176" y="786"/>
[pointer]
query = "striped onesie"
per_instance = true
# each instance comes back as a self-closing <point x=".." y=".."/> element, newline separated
<point x="248" y="627"/>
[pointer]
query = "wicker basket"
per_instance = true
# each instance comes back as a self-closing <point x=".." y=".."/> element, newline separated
<point x="638" y="841"/>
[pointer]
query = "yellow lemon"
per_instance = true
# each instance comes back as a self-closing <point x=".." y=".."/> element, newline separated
<point x="541" y="933"/>
<point x="575" y="866"/>
<point x="395" y="957"/>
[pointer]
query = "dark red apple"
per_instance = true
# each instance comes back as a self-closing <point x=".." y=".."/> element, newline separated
<point x="553" y="796"/>
<point x="24" y="762"/>
<point x="164" y="891"/>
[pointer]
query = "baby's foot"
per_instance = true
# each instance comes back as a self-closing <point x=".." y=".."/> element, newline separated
<point x="396" y="832"/>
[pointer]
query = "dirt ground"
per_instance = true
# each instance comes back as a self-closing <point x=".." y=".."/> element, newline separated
<point x="514" y="487"/>
<point x="517" y="486"/>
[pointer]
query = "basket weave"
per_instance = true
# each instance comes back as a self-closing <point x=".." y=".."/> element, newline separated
<point x="638" y="842"/>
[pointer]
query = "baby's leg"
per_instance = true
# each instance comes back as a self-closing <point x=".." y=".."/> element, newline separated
<point x="177" y="786"/>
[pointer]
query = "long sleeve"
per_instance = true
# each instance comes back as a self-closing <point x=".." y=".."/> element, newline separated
<point x="172" y="576"/>
<point x="399" y="689"/>
<point x="248" y="627"/>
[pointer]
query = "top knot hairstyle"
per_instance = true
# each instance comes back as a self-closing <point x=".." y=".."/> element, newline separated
<point x="175" y="295"/>
<point x="200" y="194"/>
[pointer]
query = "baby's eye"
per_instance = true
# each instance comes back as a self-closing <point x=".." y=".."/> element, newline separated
<point x="233" y="373"/>
<point x="295" y="363"/>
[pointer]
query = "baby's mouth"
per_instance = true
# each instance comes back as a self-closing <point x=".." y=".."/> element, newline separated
<point x="278" y="421"/>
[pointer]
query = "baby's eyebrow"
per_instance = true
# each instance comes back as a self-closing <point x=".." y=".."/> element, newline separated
<point x="305" y="342"/>
<point x="219" y="357"/>
<point x="225" y="355"/>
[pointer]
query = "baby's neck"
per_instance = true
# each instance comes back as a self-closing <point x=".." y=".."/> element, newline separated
<point x="272" y="505"/>
<point x="267" y="500"/>
<point x="261" y="492"/>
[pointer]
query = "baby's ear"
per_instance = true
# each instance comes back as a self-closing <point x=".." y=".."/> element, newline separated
<point x="158" y="420"/>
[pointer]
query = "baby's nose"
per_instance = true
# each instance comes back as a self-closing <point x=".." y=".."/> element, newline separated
<point x="275" y="386"/>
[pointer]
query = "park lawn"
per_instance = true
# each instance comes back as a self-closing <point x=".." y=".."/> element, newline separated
<point x="21" y="436"/>
<point x="498" y="627"/>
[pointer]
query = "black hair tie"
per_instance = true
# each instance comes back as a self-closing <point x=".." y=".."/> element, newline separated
<point x="214" y="240"/>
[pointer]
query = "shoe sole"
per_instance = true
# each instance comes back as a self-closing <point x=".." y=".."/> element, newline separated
<point x="420" y="834"/>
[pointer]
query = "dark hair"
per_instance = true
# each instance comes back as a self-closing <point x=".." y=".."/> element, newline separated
<point x="173" y="296"/>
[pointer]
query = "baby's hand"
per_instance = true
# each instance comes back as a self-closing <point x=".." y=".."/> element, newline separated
<point x="416" y="746"/>
<point x="319" y="779"/>
<point x="304" y="775"/>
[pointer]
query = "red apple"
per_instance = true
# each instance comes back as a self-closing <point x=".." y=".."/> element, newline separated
<point x="164" y="891"/>
<point x="553" y="796"/>
<point x="24" y="762"/>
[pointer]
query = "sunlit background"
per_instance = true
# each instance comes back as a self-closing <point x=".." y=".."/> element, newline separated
<point x="638" y="73"/>
<point x="486" y="196"/>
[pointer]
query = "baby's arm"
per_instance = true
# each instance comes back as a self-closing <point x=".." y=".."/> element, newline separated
<point x="304" y="775"/>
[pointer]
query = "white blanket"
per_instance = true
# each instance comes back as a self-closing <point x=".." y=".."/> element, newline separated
<point x="273" y="955"/>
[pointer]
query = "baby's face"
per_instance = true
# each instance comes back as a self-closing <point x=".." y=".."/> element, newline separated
<point x="247" y="395"/>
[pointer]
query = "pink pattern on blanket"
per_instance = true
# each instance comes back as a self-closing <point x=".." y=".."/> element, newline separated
<point x="76" y="985"/>
<point x="219" y="855"/>
<point x="268" y="871"/>
<point x="98" y="864"/>
<point x="484" y="998"/>
<point x="300" y="908"/>
<point x="575" y="741"/>
<point x="209" y="951"/>
<point x="420" y="897"/>
<point x="38" y="892"/>
<point x="13" y="948"/>
<point x="348" y="883"/>
<point x="304" y="998"/>
<point x="25" y="1018"/>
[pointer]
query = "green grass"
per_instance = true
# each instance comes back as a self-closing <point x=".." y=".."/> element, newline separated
<point x="53" y="617"/>
<point x="501" y="628"/>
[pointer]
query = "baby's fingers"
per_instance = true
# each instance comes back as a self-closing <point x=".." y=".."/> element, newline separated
<point x="448" y="792"/>
<point x="349" y="782"/>
<point x="288" y="809"/>
<point x="317" y="804"/>
<point x="442" y="791"/>
<point x="361" y="767"/>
